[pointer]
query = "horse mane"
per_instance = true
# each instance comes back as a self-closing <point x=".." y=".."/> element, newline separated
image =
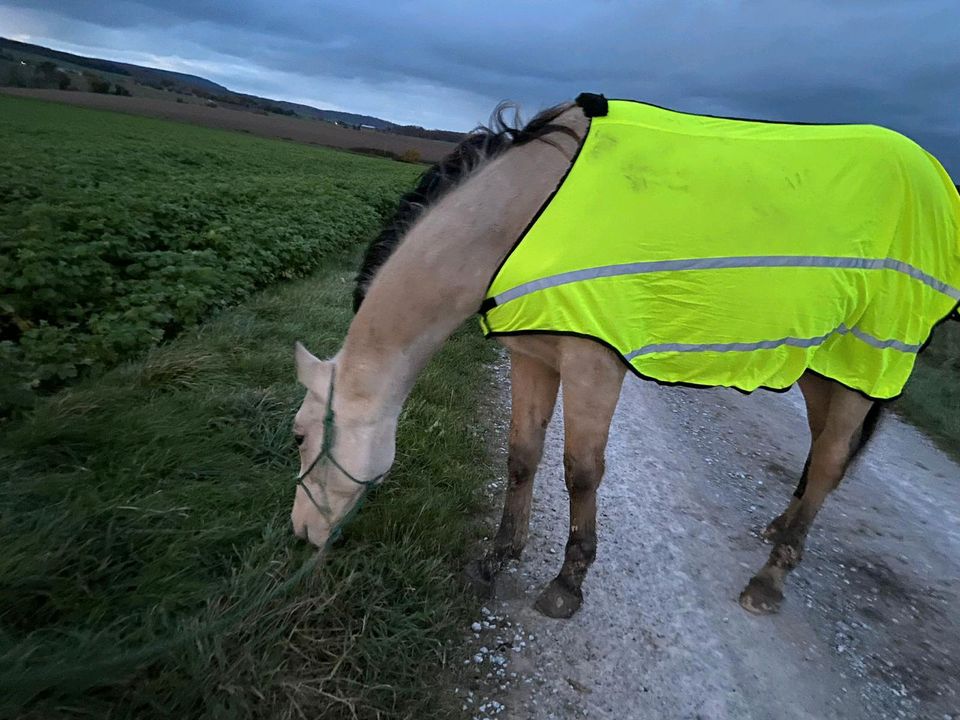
<point x="479" y="147"/>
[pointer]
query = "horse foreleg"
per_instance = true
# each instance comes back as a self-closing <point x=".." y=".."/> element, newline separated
<point x="534" y="386"/>
<point x="829" y="456"/>
<point x="591" y="387"/>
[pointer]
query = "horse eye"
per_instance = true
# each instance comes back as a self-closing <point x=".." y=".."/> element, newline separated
<point x="299" y="439"/>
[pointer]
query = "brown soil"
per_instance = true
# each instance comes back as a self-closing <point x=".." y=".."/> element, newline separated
<point x="311" y="132"/>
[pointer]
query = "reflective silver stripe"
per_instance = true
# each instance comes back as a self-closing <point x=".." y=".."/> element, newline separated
<point x="770" y="344"/>
<point x="878" y="343"/>
<point x="722" y="263"/>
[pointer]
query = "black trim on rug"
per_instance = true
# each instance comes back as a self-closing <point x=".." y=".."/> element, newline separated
<point x="743" y="119"/>
<point x="678" y="383"/>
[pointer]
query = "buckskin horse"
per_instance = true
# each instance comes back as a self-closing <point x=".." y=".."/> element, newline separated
<point x="607" y="236"/>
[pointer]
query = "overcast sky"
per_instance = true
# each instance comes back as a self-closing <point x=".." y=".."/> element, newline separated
<point x="446" y="63"/>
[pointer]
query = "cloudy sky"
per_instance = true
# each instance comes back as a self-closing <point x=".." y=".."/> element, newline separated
<point x="446" y="63"/>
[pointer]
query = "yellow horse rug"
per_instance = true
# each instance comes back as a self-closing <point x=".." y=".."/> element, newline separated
<point x="738" y="253"/>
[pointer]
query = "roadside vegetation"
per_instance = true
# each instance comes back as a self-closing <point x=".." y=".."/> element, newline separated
<point x="148" y="570"/>
<point x="146" y="475"/>
<point x="932" y="396"/>
<point x="118" y="232"/>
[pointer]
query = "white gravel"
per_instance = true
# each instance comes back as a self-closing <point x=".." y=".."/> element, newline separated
<point x="870" y="627"/>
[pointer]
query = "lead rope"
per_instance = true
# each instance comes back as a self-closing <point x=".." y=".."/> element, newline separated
<point x="326" y="452"/>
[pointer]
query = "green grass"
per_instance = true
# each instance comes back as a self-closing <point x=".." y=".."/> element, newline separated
<point x="932" y="396"/>
<point x="148" y="570"/>
<point x="117" y="232"/>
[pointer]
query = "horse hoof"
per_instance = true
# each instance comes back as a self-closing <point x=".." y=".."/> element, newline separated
<point x="559" y="601"/>
<point x="760" y="597"/>
<point x="480" y="578"/>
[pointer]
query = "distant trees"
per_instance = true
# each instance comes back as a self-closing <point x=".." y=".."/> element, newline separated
<point x="98" y="84"/>
<point x="92" y="63"/>
<point x="20" y="73"/>
<point x="276" y="109"/>
<point x="49" y="75"/>
<point x="417" y="131"/>
<point x="14" y="77"/>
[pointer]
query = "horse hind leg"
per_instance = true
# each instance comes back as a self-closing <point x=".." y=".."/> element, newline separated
<point x="816" y="395"/>
<point x="592" y="378"/>
<point x="842" y="436"/>
<point x="774" y="531"/>
<point x="534" y="386"/>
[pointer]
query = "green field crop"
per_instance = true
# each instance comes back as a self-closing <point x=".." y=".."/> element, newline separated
<point x="117" y="232"/>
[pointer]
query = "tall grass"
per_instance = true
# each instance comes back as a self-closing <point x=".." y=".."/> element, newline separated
<point x="147" y="567"/>
<point x="932" y="396"/>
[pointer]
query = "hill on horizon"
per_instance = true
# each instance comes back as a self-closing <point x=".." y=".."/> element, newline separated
<point x="28" y="65"/>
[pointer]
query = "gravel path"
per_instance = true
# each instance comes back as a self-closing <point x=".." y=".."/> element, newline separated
<point x="870" y="627"/>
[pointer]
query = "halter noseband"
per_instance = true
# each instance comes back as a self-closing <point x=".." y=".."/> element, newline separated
<point x="326" y="453"/>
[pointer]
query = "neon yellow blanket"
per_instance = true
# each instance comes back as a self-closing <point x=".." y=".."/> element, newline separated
<point x="737" y="253"/>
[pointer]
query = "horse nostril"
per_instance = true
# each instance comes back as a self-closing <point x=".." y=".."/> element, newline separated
<point x="300" y="532"/>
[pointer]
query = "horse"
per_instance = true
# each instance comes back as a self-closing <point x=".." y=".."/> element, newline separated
<point x="430" y="270"/>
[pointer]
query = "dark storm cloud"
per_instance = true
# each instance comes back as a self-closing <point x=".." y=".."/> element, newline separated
<point x="441" y="62"/>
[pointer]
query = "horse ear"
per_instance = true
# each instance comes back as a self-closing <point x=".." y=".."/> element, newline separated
<point x="312" y="372"/>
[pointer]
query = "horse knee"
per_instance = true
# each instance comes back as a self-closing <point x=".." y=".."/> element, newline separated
<point x="582" y="475"/>
<point x="521" y="464"/>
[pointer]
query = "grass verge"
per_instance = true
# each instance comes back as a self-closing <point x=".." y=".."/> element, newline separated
<point x="931" y="399"/>
<point x="148" y="570"/>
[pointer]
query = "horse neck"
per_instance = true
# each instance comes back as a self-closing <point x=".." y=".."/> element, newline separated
<point x="439" y="274"/>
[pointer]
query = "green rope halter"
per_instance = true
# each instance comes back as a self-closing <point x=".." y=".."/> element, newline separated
<point x="326" y="453"/>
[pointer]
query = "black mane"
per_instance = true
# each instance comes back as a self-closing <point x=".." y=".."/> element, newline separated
<point x="479" y="146"/>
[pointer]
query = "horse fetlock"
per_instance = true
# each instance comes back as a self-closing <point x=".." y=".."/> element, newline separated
<point x="786" y="555"/>
<point x="775" y="531"/>
<point x="771" y="534"/>
<point x="515" y="551"/>
<point x="511" y="536"/>
<point x="481" y="575"/>
<point x="762" y="595"/>
<point x="581" y="552"/>
<point x="510" y="550"/>
<point x="560" y="599"/>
